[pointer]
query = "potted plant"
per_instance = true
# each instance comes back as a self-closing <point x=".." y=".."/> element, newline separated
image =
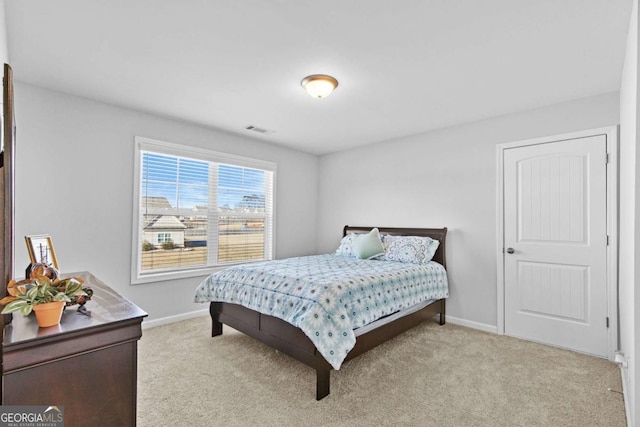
<point x="46" y="296"/>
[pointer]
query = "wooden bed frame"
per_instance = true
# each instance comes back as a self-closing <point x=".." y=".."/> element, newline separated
<point x="292" y="341"/>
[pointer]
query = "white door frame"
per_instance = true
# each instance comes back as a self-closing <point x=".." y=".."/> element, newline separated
<point x="611" y="133"/>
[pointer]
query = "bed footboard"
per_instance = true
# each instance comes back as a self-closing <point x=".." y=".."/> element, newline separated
<point x="292" y="341"/>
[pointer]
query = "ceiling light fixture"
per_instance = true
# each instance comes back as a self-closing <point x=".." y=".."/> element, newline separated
<point x="319" y="85"/>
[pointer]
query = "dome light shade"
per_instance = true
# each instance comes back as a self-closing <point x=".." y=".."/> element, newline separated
<point x="319" y="85"/>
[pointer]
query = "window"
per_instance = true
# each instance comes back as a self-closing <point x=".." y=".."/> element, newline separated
<point x="164" y="237"/>
<point x="195" y="210"/>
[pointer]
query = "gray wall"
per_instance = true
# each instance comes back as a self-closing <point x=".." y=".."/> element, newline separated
<point x="74" y="180"/>
<point x="4" y="48"/>
<point x="444" y="178"/>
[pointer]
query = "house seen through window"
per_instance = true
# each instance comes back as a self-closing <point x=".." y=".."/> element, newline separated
<point x="199" y="209"/>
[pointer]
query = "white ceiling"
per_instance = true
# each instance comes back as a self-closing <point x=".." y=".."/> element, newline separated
<point x="404" y="67"/>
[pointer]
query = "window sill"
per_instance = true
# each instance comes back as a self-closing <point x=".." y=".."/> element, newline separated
<point x="175" y="275"/>
<point x="182" y="274"/>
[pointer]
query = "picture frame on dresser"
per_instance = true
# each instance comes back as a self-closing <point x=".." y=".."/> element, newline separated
<point x="41" y="250"/>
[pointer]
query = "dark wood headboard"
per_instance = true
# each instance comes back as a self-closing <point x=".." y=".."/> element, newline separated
<point x="438" y="234"/>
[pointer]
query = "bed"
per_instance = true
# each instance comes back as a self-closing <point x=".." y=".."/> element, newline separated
<point x="264" y="321"/>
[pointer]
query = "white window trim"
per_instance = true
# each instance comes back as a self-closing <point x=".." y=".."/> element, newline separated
<point x="170" y="148"/>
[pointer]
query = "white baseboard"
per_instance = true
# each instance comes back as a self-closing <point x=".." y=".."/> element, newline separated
<point x="625" y="394"/>
<point x="146" y="324"/>
<point x="471" y="324"/>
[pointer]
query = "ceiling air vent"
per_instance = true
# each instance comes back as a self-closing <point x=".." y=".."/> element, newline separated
<point x="263" y="131"/>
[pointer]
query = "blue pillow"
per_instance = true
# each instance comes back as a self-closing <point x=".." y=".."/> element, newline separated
<point x="346" y="245"/>
<point x="367" y="246"/>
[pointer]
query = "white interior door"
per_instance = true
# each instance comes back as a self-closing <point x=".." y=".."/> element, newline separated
<point x="555" y="240"/>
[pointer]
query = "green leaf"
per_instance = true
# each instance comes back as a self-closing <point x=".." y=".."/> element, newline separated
<point x="26" y="310"/>
<point x="73" y="288"/>
<point x="15" y="306"/>
<point x="61" y="297"/>
<point x="33" y="293"/>
<point x="6" y="310"/>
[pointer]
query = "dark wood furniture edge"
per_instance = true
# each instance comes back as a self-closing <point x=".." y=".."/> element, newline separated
<point x="292" y="341"/>
<point x="7" y="198"/>
<point x="94" y="339"/>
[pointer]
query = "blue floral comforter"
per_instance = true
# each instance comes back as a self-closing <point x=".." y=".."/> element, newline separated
<point x="327" y="296"/>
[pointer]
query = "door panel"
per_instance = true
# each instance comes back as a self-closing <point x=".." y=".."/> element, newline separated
<point x="552" y="290"/>
<point x="555" y="222"/>
<point x="544" y="215"/>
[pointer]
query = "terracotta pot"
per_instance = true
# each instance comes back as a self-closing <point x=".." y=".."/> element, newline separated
<point x="49" y="314"/>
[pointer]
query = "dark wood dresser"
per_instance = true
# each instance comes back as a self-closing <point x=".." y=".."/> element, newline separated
<point x="88" y="364"/>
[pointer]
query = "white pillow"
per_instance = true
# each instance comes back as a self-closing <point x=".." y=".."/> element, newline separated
<point x="409" y="249"/>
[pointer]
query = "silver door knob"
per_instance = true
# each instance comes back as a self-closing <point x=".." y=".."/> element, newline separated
<point x="510" y="250"/>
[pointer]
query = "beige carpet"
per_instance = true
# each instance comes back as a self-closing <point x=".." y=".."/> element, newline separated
<point x="428" y="376"/>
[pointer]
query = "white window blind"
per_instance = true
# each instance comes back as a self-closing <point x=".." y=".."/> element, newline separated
<point x="197" y="210"/>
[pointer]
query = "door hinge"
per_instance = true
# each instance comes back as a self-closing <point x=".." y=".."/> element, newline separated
<point x="607" y="322"/>
<point x="607" y="158"/>
<point x="607" y="240"/>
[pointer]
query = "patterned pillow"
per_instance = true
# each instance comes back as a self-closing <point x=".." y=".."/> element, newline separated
<point x="410" y="249"/>
<point x="346" y="246"/>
